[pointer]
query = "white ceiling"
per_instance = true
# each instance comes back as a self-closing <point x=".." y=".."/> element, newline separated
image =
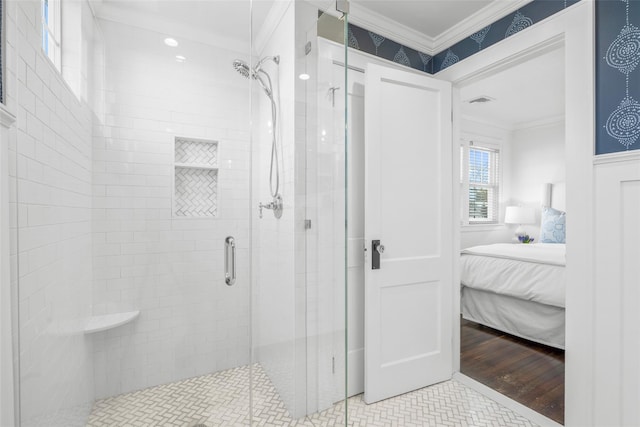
<point x="526" y="94"/>
<point x="429" y="17"/>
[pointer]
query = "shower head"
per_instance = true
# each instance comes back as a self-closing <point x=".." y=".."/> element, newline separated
<point x="242" y="68"/>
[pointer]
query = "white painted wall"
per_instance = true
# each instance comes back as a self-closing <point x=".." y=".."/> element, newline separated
<point x="171" y="269"/>
<point x="537" y="156"/>
<point x="51" y="147"/>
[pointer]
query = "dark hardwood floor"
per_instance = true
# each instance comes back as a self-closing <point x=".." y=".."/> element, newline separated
<point x="529" y="373"/>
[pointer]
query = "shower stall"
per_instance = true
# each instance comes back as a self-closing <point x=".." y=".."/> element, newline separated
<point x="179" y="215"/>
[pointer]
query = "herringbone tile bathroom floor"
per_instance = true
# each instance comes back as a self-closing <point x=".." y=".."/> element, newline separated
<point x="222" y="399"/>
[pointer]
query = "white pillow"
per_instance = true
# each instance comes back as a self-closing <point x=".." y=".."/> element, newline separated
<point x="553" y="227"/>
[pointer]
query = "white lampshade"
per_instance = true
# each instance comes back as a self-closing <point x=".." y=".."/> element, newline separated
<point x="519" y="215"/>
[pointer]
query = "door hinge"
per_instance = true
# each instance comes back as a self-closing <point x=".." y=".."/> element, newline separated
<point x="307" y="48"/>
<point x="333" y="364"/>
<point x="342" y="6"/>
<point x="307" y="224"/>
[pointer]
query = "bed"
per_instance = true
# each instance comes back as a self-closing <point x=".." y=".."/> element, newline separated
<point x="516" y="288"/>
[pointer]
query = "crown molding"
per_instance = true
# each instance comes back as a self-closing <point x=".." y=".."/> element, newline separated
<point x="485" y="16"/>
<point x="488" y="122"/>
<point x="397" y="32"/>
<point x="539" y="123"/>
<point x="379" y="24"/>
<point x="518" y="126"/>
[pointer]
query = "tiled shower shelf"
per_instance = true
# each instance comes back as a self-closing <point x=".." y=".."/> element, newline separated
<point x="195" y="166"/>
<point x="109" y="321"/>
<point x="196" y="151"/>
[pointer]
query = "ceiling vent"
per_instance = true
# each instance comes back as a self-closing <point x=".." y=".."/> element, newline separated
<point x="481" y="100"/>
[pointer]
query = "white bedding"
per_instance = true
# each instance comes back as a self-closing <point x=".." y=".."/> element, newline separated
<point x="542" y="253"/>
<point x="532" y="272"/>
<point x="525" y="319"/>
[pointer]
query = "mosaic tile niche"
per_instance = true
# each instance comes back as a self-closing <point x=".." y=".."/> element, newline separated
<point x="196" y="178"/>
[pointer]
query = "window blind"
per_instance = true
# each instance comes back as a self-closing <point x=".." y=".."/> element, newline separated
<point x="484" y="190"/>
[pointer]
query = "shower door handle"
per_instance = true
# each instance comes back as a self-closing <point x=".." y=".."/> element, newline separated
<point x="230" y="258"/>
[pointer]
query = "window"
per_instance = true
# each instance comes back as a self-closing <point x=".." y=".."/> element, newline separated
<point x="51" y="31"/>
<point x="480" y="181"/>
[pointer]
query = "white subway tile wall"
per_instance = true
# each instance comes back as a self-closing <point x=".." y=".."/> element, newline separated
<point x="51" y="148"/>
<point x="278" y="296"/>
<point x="171" y="269"/>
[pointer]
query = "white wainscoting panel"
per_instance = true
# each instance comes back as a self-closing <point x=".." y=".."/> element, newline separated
<point x="617" y="274"/>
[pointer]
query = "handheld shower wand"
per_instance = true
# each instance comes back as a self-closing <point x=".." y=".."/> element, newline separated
<point x="264" y="80"/>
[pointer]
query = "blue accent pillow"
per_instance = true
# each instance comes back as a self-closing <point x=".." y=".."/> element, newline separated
<point x="554" y="226"/>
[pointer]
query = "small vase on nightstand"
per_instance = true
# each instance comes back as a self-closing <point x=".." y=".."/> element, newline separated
<point x="525" y="239"/>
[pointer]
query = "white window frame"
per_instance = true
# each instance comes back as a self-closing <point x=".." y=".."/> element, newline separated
<point x="495" y="180"/>
<point x="52" y="31"/>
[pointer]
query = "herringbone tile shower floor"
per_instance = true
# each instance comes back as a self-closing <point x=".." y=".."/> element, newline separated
<point x="222" y="399"/>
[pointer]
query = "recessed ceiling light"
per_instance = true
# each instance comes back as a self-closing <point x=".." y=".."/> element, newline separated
<point x="180" y="58"/>
<point x="171" y="42"/>
<point x="304" y="76"/>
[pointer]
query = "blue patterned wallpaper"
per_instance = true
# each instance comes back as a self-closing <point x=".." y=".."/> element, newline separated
<point x="617" y="76"/>
<point x="509" y="25"/>
<point x="375" y="44"/>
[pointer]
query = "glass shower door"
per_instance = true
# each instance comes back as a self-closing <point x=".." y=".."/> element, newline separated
<point x="172" y="187"/>
<point x="298" y="299"/>
<point x="126" y="317"/>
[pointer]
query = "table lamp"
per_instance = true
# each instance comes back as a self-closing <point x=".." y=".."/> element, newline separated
<point x="519" y="215"/>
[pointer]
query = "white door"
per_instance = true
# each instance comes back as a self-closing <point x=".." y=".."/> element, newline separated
<point x="408" y="207"/>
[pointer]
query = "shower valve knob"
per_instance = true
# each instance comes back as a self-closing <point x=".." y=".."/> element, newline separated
<point x="276" y="206"/>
